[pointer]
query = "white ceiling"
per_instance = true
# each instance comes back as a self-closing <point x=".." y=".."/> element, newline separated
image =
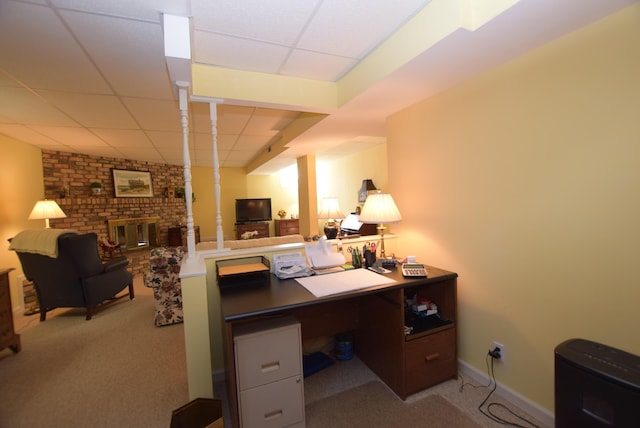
<point x="90" y="76"/>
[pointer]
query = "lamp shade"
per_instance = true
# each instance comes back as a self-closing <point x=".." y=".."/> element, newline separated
<point x="380" y="208"/>
<point x="46" y="209"/>
<point x="330" y="209"/>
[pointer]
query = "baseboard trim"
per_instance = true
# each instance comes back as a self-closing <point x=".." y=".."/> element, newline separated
<point x="534" y="409"/>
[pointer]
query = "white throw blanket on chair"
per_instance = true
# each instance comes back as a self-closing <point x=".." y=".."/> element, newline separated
<point x="38" y="241"/>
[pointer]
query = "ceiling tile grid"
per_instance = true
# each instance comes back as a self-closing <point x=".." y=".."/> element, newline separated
<point x="91" y="76"/>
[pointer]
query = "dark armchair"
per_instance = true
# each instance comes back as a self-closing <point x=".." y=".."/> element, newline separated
<point x="76" y="278"/>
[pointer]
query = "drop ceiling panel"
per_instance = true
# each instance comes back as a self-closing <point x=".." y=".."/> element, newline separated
<point x="104" y="111"/>
<point x="28" y="54"/>
<point x="201" y="141"/>
<point x="233" y="119"/>
<point x="274" y="21"/>
<point x="199" y="117"/>
<point x="166" y="140"/>
<point x="241" y="54"/>
<point x="5" y="80"/>
<point x="139" y="9"/>
<point x="24" y="133"/>
<point x="155" y="115"/>
<point x="140" y="69"/>
<point x="27" y="108"/>
<point x="70" y="136"/>
<point x="124" y="138"/>
<point x="269" y="122"/>
<point x="251" y="142"/>
<point x="344" y="27"/>
<point x="226" y="141"/>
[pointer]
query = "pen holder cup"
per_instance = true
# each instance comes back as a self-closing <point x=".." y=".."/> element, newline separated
<point x="355" y="260"/>
<point x="369" y="258"/>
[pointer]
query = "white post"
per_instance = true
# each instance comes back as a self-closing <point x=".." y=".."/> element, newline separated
<point x="213" y="112"/>
<point x="188" y="190"/>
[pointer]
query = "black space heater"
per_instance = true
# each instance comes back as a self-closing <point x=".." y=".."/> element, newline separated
<point x="596" y="386"/>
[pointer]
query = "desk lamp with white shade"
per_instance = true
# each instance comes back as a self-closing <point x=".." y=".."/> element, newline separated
<point x="380" y="208"/>
<point x="46" y="209"/>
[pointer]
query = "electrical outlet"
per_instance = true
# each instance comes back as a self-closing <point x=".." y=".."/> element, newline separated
<point x="500" y="346"/>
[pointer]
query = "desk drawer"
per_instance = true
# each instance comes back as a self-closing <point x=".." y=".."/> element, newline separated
<point x="278" y="404"/>
<point x="268" y="355"/>
<point x="430" y="360"/>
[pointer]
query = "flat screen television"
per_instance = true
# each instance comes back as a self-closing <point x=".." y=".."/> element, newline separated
<point x="254" y="209"/>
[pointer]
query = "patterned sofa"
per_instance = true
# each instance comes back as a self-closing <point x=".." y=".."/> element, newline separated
<point x="164" y="273"/>
<point x="164" y="278"/>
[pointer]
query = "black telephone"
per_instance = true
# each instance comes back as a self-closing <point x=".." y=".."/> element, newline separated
<point x="414" y="270"/>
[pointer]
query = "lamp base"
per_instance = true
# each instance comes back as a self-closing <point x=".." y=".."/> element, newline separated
<point x="331" y="232"/>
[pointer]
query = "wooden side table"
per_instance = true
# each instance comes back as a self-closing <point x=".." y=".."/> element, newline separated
<point x="287" y="227"/>
<point x="8" y="336"/>
<point x="177" y="236"/>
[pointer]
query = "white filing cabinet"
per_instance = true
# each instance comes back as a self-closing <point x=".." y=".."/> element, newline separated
<point x="269" y="373"/>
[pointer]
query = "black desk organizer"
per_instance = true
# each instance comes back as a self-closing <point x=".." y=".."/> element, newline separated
<point x="248" y="272"/>
<point x="424" y="323"/>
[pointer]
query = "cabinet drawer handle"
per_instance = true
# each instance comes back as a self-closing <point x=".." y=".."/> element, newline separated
<point x="273" y="415"/>
<point x="432" y="357"/>
<point x="269" y="367"/>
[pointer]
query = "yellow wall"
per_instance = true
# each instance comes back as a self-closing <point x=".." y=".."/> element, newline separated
<point x="21" y="176"/>
<point x="233" y="183"/>
<point x="342" y="178"/>
<point x="525" y="181"/>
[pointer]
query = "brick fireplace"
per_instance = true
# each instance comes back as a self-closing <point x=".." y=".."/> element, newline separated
<point x="66" y="180"/>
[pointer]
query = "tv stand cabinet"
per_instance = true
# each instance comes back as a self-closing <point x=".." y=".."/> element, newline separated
<point x="261" y="227"/>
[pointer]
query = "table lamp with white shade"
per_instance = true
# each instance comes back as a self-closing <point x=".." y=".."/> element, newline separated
<point x="330" y="211"/>
<point x="380" y="208"/>
<point x="46" y="209"/>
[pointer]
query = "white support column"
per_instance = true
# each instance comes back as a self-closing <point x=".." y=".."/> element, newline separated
<point x="213" y="112"/>
<point x="188" y="189"/>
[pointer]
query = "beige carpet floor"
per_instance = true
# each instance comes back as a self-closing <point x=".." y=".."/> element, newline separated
<point x="116" y="370"/>
<point x="374" y="405"/>
<point x="346" y="376"/>
<point x="119" y="370"/>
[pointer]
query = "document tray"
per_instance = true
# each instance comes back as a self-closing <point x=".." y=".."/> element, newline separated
<point x="243" y="272"/>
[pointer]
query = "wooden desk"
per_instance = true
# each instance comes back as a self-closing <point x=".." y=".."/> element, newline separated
<point x="376" y="318"/>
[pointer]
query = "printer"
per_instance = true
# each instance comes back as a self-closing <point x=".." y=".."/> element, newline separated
<point x="352" y="226"/>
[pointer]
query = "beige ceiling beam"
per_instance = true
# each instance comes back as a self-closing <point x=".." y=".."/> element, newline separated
<point x="263" y="89"/>
<point x="436" y="21"/>
<point x="298" y="127"/>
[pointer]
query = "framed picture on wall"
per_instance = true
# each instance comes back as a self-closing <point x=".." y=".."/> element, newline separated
<point x="132" y="184"/>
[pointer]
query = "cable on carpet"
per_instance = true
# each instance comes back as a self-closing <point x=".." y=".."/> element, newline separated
<point x="463" y="383"/>
<point x="489" y="413"/>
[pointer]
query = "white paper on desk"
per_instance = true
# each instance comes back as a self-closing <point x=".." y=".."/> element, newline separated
<point x="342" y="282"/>
<point x="322" y="255"/>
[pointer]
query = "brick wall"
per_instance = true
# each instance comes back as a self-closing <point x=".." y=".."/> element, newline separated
<point x="66" y="180"/>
